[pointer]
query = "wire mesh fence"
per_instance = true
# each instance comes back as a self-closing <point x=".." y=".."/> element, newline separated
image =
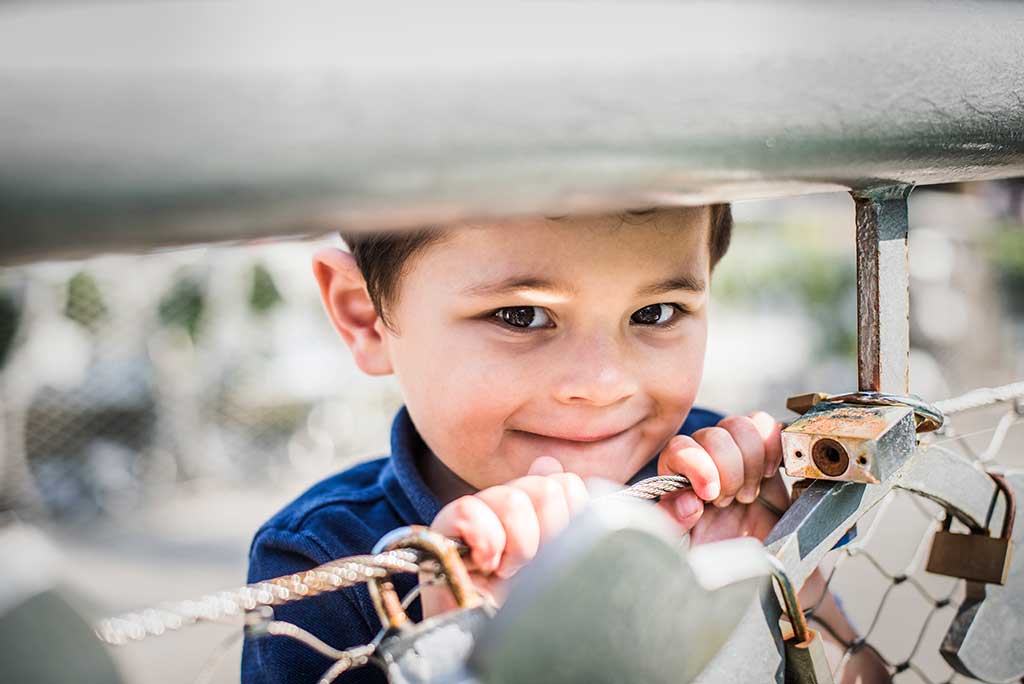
<point x="901" y="611"/>
<point x="127" y="374"/>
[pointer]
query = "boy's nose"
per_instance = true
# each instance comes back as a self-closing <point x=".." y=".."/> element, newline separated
<point x="595" y="373"/>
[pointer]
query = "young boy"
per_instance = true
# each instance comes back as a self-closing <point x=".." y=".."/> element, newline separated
<point x="531" y="355"/>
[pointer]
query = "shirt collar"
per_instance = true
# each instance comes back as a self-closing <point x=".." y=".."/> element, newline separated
<point x="420" y="504"/>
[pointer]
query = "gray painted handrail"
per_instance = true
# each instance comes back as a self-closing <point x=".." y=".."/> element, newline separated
<point x="135" y="125"/>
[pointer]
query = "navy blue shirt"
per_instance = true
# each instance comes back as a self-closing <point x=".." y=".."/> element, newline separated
<point x="345" y="515"/>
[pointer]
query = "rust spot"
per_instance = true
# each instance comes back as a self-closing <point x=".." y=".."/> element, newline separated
<point x="830" y="457"/>
<point x="857" y="423"/>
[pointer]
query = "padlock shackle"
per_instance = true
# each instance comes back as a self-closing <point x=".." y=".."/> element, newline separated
<point x="445" y="551"/>
<point x="1010" y="515"/>
<point x="927" y="417"/>
<point x="789" y="597"/>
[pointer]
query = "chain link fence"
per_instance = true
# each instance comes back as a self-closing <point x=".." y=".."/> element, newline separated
<point x="124" y="375"/>
<point x="902" y="612"/>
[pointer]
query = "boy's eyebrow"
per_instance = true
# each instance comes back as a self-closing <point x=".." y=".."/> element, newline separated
<point x="512" y="285"/>
<point x="516" y="283"/>
<point x="679" y="282"/>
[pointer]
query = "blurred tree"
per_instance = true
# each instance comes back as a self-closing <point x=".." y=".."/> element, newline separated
<point x="183" y="305"/>
<point x="84" y="303"/>
<point x="10" y="314"/>
<point x="1006" y="249"/>
<point x="263" y="295"/>
<point x="794" y="268"/>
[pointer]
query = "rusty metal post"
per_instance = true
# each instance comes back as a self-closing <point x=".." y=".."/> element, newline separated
<point x="883" y="290"/>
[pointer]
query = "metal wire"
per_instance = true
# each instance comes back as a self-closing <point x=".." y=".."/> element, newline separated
<point x="232" y="605"/>
<point x="981" y="397"/>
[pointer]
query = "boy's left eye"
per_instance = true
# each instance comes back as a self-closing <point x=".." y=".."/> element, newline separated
<point x="654" y="314"/>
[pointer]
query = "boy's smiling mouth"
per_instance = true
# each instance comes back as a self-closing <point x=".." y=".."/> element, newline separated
<point x="575" y="438"/>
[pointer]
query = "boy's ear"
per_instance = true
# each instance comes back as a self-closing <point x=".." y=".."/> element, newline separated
<point x="348" y="305"/>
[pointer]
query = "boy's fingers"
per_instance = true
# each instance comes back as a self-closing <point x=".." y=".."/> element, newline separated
<point x="684" y="456"/>
<point x="685" y="508"/>
<point x="727" y="458"/>
<point x="747" y="437"/>
<point x="576" y="494"/>
<point x="549" y="504"/>
<point x="771" y="436"/>
<point x="522" y="529"/>
<point x="476" y="523"/>
<point x="774" y="490"/>
<point x="546" y="465"/>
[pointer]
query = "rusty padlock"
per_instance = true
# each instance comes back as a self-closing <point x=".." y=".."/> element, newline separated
<point x="975" y="557"/>
<point x="805" y="651"/>
<point x="857" y="437"/>
<point x="437" y="648"/>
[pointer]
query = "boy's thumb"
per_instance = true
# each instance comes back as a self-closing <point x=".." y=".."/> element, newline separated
<point x="546" y="465"/>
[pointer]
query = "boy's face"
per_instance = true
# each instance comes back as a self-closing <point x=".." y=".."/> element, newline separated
<point x="579" y="338"/>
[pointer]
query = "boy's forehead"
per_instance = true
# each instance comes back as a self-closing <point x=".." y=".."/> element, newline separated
<point x="656" y="236"/>
<point x="653" y="246"/>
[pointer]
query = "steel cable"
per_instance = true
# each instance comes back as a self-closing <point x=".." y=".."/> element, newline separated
<point x="337" y="574"/>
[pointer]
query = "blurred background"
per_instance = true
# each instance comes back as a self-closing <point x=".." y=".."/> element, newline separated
<point x="155" y="409"/>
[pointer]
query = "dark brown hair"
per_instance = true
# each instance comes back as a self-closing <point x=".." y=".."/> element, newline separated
<point x="383" y="257"/>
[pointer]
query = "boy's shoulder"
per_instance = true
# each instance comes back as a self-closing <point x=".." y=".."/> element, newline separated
<point x="699" y="418"/>
<point x="339" y="515"/>
<point x="359" y="484"/>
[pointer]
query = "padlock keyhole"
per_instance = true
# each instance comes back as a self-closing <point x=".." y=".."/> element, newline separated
<point x="830" y="457"/>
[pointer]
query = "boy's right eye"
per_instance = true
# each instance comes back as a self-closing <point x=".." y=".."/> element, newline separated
<point x="524" y="317"/>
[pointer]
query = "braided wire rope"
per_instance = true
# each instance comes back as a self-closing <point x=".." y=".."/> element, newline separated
<point x="337" y="574"/>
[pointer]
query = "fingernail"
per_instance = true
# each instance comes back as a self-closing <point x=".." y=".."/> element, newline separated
<point x="747" y="495"/>
<point x="769" y="471"/>
<point x="722" y="503"/>
<point x="505" y="573"/>
<point x="686" y="506"/>
<point x="713" y="490"/>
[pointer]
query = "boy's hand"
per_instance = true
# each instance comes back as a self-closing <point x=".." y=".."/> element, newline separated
<point x="503" y="526"/>
<point x="728" y="463"/>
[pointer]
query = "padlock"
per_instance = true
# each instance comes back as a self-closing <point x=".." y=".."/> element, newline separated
<point x="805" y="651"/>
<point x="437" y="648"/>
<point x="849" y="442"/>
<point x="975" y="557"/>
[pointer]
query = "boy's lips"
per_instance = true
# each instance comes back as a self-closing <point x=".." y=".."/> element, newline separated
<point x="580" y="437"/>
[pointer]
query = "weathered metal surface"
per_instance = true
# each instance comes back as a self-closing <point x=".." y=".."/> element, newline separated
<point x="977" y="557"/>
<point x="960" y="485"/>
<point x="615" y="600"/>
<point x="928" y="417"/>
<point x="984" y="640"/>
<point x="44" y="635"/>
<point x="806" y="662"/>
<point x="974" y="557"/>
<point x="435" y="650"/>
<point x="805" y="653"/>
<point x="852" y="443"/>
<point x="883" y="290"/>
<point x="135" y="125"/>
